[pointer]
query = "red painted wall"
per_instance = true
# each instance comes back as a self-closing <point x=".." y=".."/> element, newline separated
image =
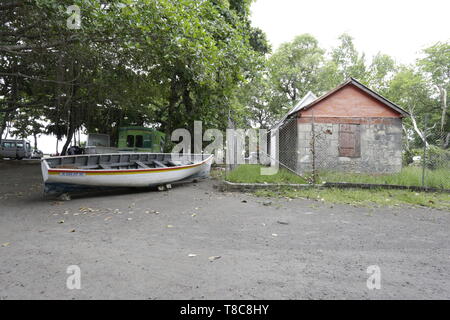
<point x="350" y="101"/>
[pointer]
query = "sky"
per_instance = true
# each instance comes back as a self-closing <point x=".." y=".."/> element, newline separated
<point x="399" y="28"/>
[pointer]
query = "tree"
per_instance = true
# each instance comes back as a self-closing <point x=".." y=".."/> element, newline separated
<point x="294" y="67"/>
<point x="255" y="98"/>
<point x="436" y="64"/>
<point x="162" y="63"/>
<point x="348" y="61"/>
<point x="410" y="90"/>
<point x="380" y="72"/>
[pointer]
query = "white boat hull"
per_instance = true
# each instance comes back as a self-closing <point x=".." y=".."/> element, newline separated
<point x="142" y="177"/>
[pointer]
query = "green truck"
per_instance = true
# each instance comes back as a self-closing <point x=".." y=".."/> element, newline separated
<point x="140" y="139"/>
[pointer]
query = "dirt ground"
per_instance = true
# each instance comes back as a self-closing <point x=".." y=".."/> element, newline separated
<point x="160" y="245"/>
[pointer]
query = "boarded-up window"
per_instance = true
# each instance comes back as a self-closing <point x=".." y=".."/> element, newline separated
<point x="349" y="140"/>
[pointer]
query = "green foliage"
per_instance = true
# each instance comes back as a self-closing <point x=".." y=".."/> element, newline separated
<point x="380" y="73"/>
<point x="436" y="158"/>
<point x="294" y="67"/>
<point x="436" y="65"/>
<point x="348" y="60"/>
<point x="260" y="108"/>
<point x="410" y="89"/>
<point x="162" y="63"/>
<point x="437" y="62"/>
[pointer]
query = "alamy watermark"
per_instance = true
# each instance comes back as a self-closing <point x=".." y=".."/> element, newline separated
<point x="229" y="149"/>
<point x="74" y="280"/>
<point x="374" y="280"/>
<point x="73" y="22"/>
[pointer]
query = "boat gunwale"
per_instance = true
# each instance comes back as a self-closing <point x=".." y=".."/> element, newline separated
<point x="143" y="170"/>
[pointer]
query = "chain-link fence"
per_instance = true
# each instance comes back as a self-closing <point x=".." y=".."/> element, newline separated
<point x="356" y="151"/>
<point x="378" y="152"/>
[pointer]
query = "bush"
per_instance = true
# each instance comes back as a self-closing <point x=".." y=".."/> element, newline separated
<point x="435" y="157"/>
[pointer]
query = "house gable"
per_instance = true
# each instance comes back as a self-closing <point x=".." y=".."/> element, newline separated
<point x="352" y="100"/>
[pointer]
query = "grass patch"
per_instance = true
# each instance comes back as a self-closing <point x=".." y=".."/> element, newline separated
<point x="410" y="176"/>
<point x="248" y="173"/>
<point x="363" y="197"/>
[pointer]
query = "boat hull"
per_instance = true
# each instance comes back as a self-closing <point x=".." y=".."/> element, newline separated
<point x="59" y="177"/>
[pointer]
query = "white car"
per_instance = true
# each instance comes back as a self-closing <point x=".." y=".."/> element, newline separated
<point x="36" y="154"/>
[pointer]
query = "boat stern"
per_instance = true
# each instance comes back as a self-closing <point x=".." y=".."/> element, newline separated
<point x="44" y="169"/>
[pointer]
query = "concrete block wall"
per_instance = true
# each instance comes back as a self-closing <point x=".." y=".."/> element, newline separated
<point x="381" y="148"/>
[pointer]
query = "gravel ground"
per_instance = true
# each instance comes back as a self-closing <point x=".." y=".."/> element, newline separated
<point x="159" y="245"/>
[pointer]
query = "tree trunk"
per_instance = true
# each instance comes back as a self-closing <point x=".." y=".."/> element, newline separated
<point x="190" y="112"/>
<point x="418" y="131"/>
<point x="14" y="89"/>
<point x="3" y="125"/>
<point x="406" y="137"/>
<point x="188" y="104"/>
<point x="173" y="100"/>
<point x="71" y="112"/>
<point x="35" y="140"/>
<point x="443" y="93"/>
<point x="69" y="139"/>
<point x="58" y="90"/>
<point x="75" y="138"/>
<point x="8" y="128"/>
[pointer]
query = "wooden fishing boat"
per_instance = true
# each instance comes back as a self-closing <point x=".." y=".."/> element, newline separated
<point x="96" y="171"/>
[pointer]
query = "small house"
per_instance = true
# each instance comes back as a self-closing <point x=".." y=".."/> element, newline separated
<point x="351" y="128"/>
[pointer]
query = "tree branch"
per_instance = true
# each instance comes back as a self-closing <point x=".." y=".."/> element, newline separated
<point x="18" y="74"/>
<point x="11" y="4"/>
<point x="21" y="105"/>
<point x="416" y="128"/>
<point x="19" y="47"/>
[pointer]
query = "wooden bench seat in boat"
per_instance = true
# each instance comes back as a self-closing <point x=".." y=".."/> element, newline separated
<point x="142" y="165"/>
<point x="159" y="164"/>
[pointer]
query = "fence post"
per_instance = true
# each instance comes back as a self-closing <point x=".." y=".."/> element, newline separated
<point x="424" y="163"/>
<point x="313" y="148"/>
